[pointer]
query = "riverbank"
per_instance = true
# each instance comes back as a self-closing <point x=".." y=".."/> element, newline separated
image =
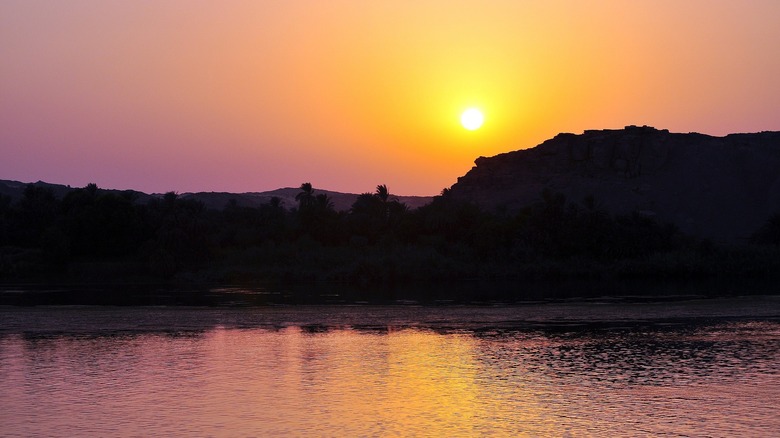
<point x="468" y="292"/>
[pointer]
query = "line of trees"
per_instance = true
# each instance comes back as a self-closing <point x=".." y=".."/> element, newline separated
<point x="378" y="239"/>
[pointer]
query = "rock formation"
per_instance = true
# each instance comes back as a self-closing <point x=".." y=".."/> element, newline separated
<point x="721" y="188"/>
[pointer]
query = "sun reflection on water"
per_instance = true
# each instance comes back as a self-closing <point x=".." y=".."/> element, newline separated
<point x="393" y="381"/>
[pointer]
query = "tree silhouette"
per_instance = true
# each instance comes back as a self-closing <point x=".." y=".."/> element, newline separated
<point x="101" y="223"/>
<point x="379" y="238"/>
<point x="37" y="210"/>
<point x="367" y="216"/>
<point x="180" y="230"/>
<point x="322" y="202"/>
<point x="375" y="214"/>
<point x="382" y="192"/>
<point x="5" y="219"/>
<point x="769" y="233"/>
<point x="317" y="217"/>
<point x="306" y="197"/>
<point x="275" y="202"/>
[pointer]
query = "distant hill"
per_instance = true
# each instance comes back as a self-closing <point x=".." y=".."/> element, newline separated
<point x="218" y="200"/>
<point x="721" y="188"/>
<point x="15" y="190"/>
<point x="341" y="201"/>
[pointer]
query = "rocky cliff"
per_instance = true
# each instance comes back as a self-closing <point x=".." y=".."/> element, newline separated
<point x="721" y="188"/>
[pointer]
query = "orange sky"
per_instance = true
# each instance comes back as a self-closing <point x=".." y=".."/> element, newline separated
<point x="254" y="95"/>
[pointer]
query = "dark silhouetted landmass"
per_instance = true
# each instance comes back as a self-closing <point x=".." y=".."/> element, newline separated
<point x="212" y="200"/>
<point x="341" y="201"/>
<point x="720" y="188"/>
<point x="636" y="205"/>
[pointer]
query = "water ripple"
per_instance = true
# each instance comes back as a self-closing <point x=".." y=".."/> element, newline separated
<point x="375" y="372"/>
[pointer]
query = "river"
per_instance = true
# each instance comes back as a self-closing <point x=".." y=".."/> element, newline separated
<point x="708" y="367"/>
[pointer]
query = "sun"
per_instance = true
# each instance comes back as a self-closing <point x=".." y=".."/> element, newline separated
<point x="472" y="119"/>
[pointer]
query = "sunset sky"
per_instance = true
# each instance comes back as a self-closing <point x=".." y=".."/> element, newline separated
<point x="189" y="95"/>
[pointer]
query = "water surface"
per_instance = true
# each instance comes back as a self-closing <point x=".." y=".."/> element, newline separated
<point x="695" y="368"/>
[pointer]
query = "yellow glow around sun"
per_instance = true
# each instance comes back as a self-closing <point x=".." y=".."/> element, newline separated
<point x="472" y="119"/>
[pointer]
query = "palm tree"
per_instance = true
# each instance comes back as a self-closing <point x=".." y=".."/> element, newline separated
<point x="275" y="202"/>
<point x="367" y="216"/>
<point x="374" y="214"/>
<point x="382" y="192"/>
<point x="323" y="202"/>
<point x="306" y="197"/>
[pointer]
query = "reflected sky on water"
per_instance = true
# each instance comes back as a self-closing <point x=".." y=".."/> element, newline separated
<point x="705" y="369"/>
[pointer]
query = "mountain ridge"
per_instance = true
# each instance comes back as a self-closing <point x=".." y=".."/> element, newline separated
<point x="719" y="188"/>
